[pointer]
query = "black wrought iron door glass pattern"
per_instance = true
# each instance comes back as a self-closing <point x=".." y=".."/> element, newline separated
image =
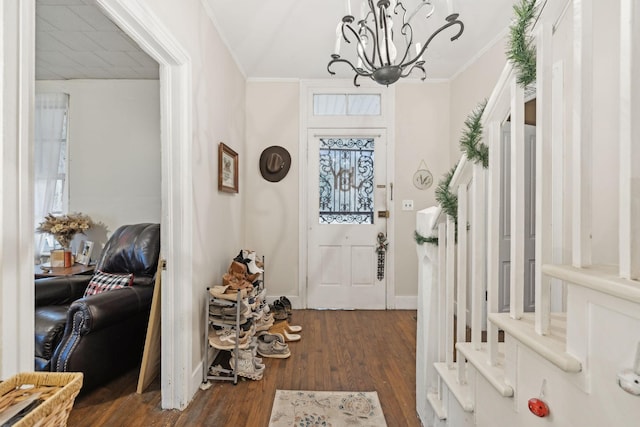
<point x="346" y="180"/>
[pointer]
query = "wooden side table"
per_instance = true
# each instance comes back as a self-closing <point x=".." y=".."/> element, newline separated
<point x="45" y="271"/>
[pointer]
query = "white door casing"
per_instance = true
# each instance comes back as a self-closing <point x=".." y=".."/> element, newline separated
<point x="342" y="258"/>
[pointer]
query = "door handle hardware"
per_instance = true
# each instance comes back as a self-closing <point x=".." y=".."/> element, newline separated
<point x="383" y="214"/>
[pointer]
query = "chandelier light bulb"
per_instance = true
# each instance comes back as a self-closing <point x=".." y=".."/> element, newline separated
<point x="384" y="39"/>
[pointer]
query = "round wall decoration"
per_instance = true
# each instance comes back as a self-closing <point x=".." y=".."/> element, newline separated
<point x="422" y="178"/>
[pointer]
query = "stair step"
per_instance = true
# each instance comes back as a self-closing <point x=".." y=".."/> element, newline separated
<point x="495" y="375"/>
<point x="462" y="392"/>
<point x="600" y="278"/>
<point x="436" y="403"/>
<point x="552" y="347"/>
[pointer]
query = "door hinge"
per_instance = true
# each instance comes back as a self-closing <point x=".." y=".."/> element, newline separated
<point x="163" y="263"/>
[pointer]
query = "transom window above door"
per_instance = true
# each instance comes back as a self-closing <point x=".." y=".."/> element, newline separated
<point x="343" y="104"/>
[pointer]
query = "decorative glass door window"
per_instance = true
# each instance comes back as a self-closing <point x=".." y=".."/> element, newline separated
<point x="346" y="181"/>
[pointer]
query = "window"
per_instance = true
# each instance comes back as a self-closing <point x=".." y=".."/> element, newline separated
<point x="346" y="104"/>
<point x="346" y="180"/>
<point x="51" y="121"/>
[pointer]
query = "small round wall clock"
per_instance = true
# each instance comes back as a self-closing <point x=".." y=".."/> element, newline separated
<point x="422" y="178"/>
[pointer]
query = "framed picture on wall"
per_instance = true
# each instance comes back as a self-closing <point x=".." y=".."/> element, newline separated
<point x="227" y="169"/>
<point x="84" y="252"/>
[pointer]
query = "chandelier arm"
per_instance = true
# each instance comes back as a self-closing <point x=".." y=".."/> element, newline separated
<point x="408" y="38"/>
<point x="418" y="66"/>
<point x="385" y="31"/>
<point x="359" y="42"/>
<point x="377" y="36"/>
<point x="336" y="58"/>
<point x="417" y="9"/>
<point x="452" y="20"/>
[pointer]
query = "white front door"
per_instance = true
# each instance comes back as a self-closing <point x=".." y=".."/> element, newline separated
<point x="347" y="190"/>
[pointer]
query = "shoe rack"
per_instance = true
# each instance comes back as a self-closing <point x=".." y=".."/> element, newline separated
<point x="218" y="373"/>
<point x="229" y="315"/>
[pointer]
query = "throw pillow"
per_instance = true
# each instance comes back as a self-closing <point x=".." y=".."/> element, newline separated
<point x="102" y="282"/>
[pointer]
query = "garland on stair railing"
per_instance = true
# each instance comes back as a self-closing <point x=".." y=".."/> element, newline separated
<point x="521" y="50"/>
<point x="447" y="200"/>
<point x="420" y="239"/>
<point x="470" y="143"/>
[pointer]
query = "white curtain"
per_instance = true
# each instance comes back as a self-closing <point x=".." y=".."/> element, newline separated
<point x="50" y="140"/>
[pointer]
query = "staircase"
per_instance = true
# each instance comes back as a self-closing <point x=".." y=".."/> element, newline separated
<point x="582" y="357"/>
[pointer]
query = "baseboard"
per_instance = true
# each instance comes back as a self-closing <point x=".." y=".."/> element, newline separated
<point x="196" y="380"/>
<point x="402" y="302"/>
<point x="406" y="302"/>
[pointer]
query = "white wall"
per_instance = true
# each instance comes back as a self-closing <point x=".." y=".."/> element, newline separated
<point x="114" y="151"/>
<point x="471" y="86"/>
<point x="218" y="112"/>
<point x="271" y="208"/>
<point x="422" y="133"/>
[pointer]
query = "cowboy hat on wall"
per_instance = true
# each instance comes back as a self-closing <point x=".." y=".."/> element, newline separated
<point x="275" y="162"/>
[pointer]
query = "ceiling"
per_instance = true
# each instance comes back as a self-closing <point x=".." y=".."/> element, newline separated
<point x="74" y="40"/>
<point x="269" y="39"/>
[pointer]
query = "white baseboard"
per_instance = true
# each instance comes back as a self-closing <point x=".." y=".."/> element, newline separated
<point x="406" y="302"/>
<point x="403" y="302"/>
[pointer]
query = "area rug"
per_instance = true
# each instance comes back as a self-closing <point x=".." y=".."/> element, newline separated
<point x="326" y="408"/>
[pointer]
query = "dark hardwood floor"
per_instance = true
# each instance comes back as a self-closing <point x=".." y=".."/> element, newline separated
<point x="339" y="351"/>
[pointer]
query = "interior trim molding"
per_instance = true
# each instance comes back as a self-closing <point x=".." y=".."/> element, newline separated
<point x="144" y="27"/>
<point x="17" y="54"/>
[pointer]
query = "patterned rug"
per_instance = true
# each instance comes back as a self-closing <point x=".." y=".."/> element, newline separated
<point x="326" y="408"/>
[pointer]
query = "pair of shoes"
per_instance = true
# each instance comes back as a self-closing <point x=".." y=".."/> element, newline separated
<point x="280" y="328"/>
<point x="245" y="365"/>
<point x="273" y="345"/>
<point x="226" y="342"/>
<point x="289" y="328"/>
<point x="279" y="311"/>
<point x="287" y="305"/>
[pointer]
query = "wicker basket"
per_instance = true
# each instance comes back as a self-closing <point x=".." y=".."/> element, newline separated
<point x="59" y="390"/>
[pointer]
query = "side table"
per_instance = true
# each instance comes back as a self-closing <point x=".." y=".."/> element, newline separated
<point x="43" y="270"/>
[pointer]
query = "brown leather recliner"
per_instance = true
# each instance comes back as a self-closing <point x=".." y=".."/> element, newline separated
<point x="100" y="335"/>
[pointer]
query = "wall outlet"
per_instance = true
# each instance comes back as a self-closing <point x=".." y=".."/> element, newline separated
<point x="407" y="205"/>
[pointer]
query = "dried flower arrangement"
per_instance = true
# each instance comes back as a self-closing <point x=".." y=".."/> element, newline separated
<point x="64" y="227"/>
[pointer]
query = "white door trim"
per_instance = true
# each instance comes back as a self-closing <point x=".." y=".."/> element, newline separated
<point x="141" y="24"/>
<point x="17" y="54"/>
<point x="386" y="120"/>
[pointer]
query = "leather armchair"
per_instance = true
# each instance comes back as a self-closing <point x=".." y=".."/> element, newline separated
<point x="100" y="335"/>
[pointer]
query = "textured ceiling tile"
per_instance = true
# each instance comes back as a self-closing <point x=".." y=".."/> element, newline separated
<point x="76" y="40"/>
<point x="63" y="18"/>
<point x="113" y="41"/>
<point x="43" y="25"/>
<point x="143" y="59"/>
<point x="88" y="59"/>
<point x="44" y="41"/>
<point x="94" y="17"/>
<point x="118" y="59"/>
<point x="57" y="59"/>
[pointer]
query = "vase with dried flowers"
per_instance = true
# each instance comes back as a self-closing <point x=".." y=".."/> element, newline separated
<point x="63" y="228"/>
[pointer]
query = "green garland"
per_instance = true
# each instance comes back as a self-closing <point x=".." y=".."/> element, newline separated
<point x="470" y="143"/>
<point x="447" y="200"/>
<point x="521" y="50"/>
<point x="420" y="239"/>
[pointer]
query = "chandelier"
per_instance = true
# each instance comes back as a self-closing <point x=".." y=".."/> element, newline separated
<point x="379" y="56"/>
